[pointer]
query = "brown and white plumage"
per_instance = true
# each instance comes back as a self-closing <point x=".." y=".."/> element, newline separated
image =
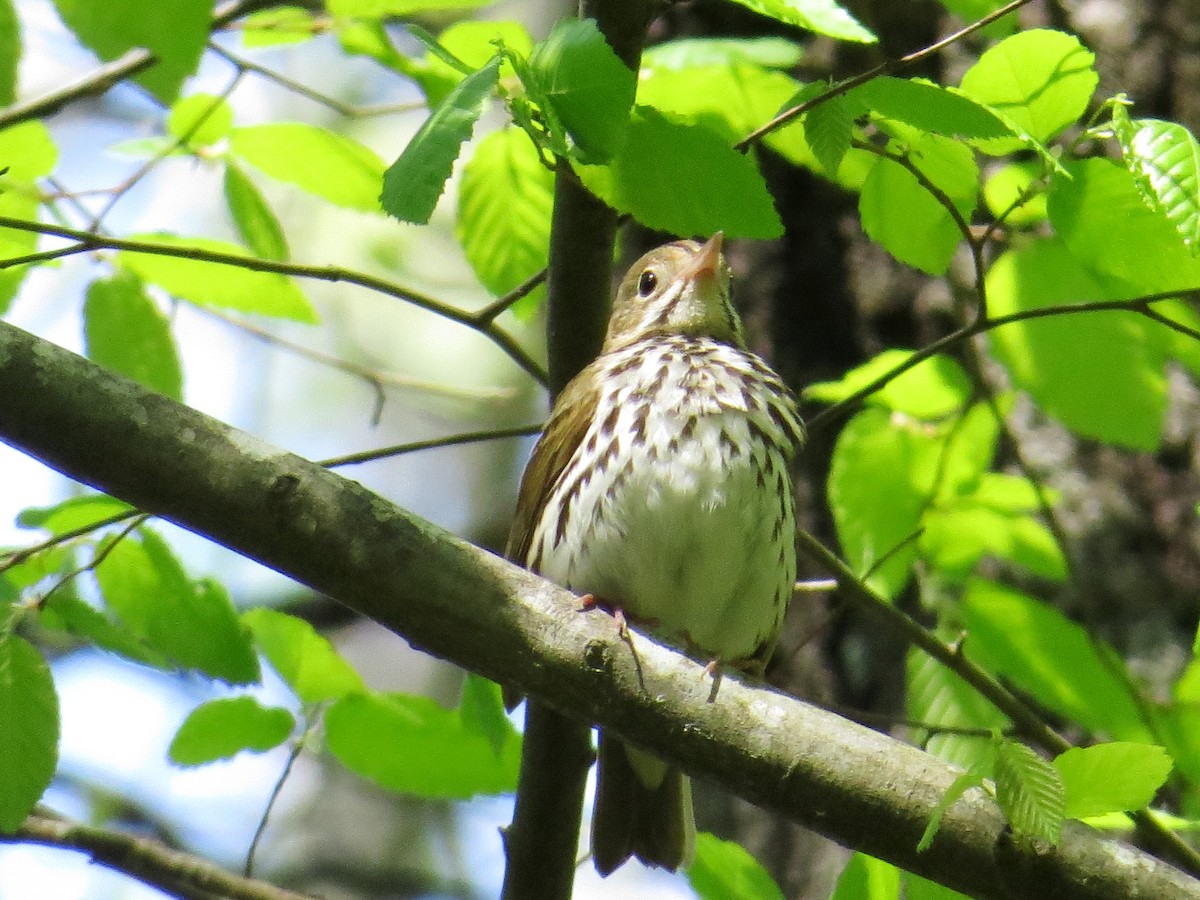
<point x="662" y="485"/>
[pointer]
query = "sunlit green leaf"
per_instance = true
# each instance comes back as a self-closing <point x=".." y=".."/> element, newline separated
<point x="1017" y="182"/>
<point x="73" y="513"/>
<point x="215" y="284"/>
<point x="1112" y="777"/>
<point x="328" y="165"/>
<point x="307" y="661"/>
<point x="829" y="129"/>
<point x="1099" y="373"/>
<point x="281" y="25"/>
<point x="963" y="783"/>
<point x="957" y="536"/>
<point x="66" y="612"/>
<point x="1040" y="81"/>
<point x="931" y="389"/>
<point x="10" y="52"/>
<point x="415" y="181"/>
<point x="723" y="870"/>
<point x="918" y="888"/>
<point x="414" y="746"/>
<point x="505" y="199"/>
<point x="588" y="87"/>
<point x="937" y="696"/>
<point x="378" y="9"/>
<point x="1045" y="654"/>
<point x="867" y="878"/>
<point x="28" y="152"/>
<point x="1164" y="158"/>
<point x="1029" y="791"/>
<point x="125" y="331"/>
<point x="684" y="179"/>
<point x="29" y="738"/>
<point x="691" y="53"/>
<point x="174" y="32"/>
<point x="192" y="623"/>
<point x="200" y="120"/>
<point x="929" y="107"/>
<point x="821" y="16"/>
<point x="220" y="729"/>
<point x="255" y="222"/>
<point x="474" y="42"/>
<point x="482" y="711"/>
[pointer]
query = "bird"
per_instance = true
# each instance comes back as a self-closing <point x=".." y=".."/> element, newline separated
<point x="662" y="487"/>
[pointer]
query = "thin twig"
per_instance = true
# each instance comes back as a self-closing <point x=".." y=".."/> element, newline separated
<point x="94" y="83"/>
<point x="883" y="68"/>
<point x="88" y="241"/>
<point x="95" y="561"/>
<point x="470" y="437"/>
<point x="293" y="755"/>
<point x="520" y="292"/>
<point x="16" y="557"/>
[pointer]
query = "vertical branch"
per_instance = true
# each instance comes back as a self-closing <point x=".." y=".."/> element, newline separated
<point x="542" y="841"/>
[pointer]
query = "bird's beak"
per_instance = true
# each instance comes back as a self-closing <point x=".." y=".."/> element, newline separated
<point x="708" y="261"/>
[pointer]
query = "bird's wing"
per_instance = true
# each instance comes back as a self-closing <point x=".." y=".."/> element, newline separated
<point x="569" y="420"/>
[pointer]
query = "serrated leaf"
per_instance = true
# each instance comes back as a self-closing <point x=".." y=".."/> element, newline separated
<point x="321" y="162"/>
<point x="125" y="331"/>
<point x="933" y="388"/>
<point x="690" y="53"/>
<point x="306" y="660"/>
<point x="219" y="285"/>
<point x="505" y="199"/>
<point x="905" y="218"/>
<point x="957" y="536"/>
<point x="29" y="738"/>
<point x="1040" y="81"/>
<point x="10" y="52"/>
<point x="1112" y="777"/>
<point x="414" y="746"/>
<point x="1164" y="157"/>
<point x="1045" y="654"/>
<point x="220" y="729"/>
<point x="415" y="181"/>
<point x="1012" y="183"/>
<point x="684" y="179"/>
<point x="829" y="129"/>
<point x="937" y="696"/>
<point x="820" y="16"/>
<point x="174" y="32"/>
<point x="191" y="623"/>
<point x="200" y="120"/>
<point x="867" y="878"/>
<point x="68" y="613"/>
<point x="73" y="513"/>
<point x="929" y="107"/>
<point x="1112" y="353"/>
<point x="590" y="90"/>
<point x="472" y="43"/>
<point x="256" y="224"/>
<point x="963" y="783"/>
<point x="1029" y="792"/>
<point x="723" y="870"/>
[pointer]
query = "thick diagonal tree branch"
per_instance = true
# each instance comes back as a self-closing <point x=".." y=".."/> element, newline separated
<point x="858" y="787"/>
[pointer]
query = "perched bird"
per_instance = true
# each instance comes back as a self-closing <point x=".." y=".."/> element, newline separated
<point x="662" y="487"/>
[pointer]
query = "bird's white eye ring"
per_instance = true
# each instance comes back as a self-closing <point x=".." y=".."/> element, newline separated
<point x="647" y="282"/>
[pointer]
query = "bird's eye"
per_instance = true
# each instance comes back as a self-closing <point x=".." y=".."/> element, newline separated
<point x="647" y="283"/>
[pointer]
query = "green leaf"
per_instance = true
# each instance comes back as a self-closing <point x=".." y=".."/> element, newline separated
<point x="415" y="181"/>
<point x="325" y="164"/>
<point x="878" y="485"/>
<point x="905" y="218"/>
<point x="939" y="697"/>
<point x="473" y="43"/>
<point x="66" y="612"/>
<point x="281" y="25"/>
<point x="1100" y="374"/>
<point x="72" y="514"/>
<point x="1100" y="214"/>
<point x="191" y="623"/>
<point x="28" y="152"/>
<point x="174" y="32"/>
<point x="256" y="224"/>
<point x="829" y="129"/>
<point x="125" y="331"/>
<point x="918" y="888"/>
<point x="963" y="783"/>
<point x="1029" y="791"/>
<point x="482" y="711"/>
<point x="414" y="746"/>
<point x="684" y="179"/>
<point x="589" y="89"/>
<point x="1045" y="654"/>
<point x="1113" y="777"/>
<point x="1013" y="182"/>
<point x="957" y="536"/>
<point x="723" y="870"/>
<point x="10" y="52"/>
<point x="1039" y="80"/>
<point x="931" y="389"/>
<point x="29" y="738"/>
<point x="200" y="120"/>
<point x="1164" y="158"/>
<point x="692" y="53"/>
<point x="820" y="16"/>
<point x="380" y="9"/>
<point x="309" y="664"/>
<point x="867" y="878"/>
<point x="929" y="107"/>
<point x="219" y="285"/>
<point x="220" y="729"/>
<point x="505" y="199"/>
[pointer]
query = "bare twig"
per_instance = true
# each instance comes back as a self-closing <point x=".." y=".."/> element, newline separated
<point x="470" y="437"/>
<point x="92" y="84"/>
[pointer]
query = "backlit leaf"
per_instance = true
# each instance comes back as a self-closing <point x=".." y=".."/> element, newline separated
<point x="821" y="16"/>
<point x="1113" y="777"/>
<point x="723" y="870"/>
<point x="29" y="738"/>
<point x="220" y="729"/>
<point x="1165" y="160"/>
<point x="306" y="660"/>
<point x="125" y="331"/>
<point x="1029" y="791"/>
<point x="255" y="222"/>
